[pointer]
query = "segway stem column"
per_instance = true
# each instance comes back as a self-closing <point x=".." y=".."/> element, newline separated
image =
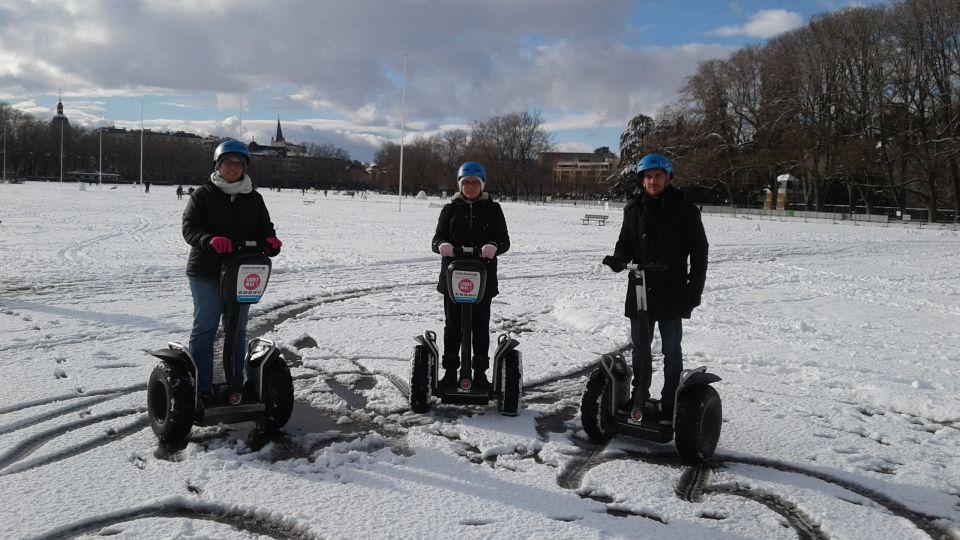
<point x="644" y="375"/>
<point x="243" y="280"/>
<point x="466" y="346"/>
<point x="231" y="327"/>
<point x="466" y="284"/>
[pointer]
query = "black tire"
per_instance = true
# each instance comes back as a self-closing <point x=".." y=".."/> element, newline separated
<point x="277" y="396"/>
<point x="171" y="400"/>
<point x="420" y="374"/>
<point x="593" y="407"/>
<point x="511" y="382"/>
<point x="699" y="419"/>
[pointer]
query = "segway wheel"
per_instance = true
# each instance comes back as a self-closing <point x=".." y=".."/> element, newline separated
<point x="699" y="417"/>
<point x="420" y="380"/>
<point x="593" y="413"/>
<point x="170" y="402"/>
<point x="277" y="396"/>
<point x="511" y="380"/>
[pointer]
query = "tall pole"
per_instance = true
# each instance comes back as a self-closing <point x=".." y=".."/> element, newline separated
<point x="100" y="173"/>
<point x="141" y="141"/>
<point x="61" y="150"/>
<point x="403" y="106"/>
<point x="240" y="134"/>
<point x="4" y="148"/>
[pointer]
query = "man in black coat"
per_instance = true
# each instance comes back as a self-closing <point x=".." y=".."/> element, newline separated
<point x="661" y="226"/>
<point x="470" y="219"/>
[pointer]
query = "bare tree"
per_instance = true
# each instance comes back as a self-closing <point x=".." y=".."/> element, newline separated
<point x="510" y="144"/>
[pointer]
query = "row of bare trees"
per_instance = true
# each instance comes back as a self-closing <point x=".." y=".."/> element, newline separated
<point x="508" y="146"/>
<point x="32" y="150"/>
<point x="862" y="105"/>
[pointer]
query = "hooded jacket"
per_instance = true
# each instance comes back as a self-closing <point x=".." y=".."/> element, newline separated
<point x="472" y="223"/>
<point x="665" y="230"/>
<point x="210" y="212"/>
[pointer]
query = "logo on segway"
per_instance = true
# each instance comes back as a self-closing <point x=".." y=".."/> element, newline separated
<point x="251" y="282"/>
<point x="465" y="286"/>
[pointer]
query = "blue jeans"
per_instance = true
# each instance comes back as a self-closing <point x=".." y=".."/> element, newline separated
<point x="208" y="309"/>
<point x="671" y="334"/>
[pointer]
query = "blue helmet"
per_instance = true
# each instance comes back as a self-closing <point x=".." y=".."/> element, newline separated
<point x="472" y="168"/>
<point x="231" y="146"/>
<point x="654" y="161"/>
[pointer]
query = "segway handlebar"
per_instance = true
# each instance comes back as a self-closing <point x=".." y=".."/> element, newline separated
<point x="619" y="265"/>
<point x="654" y="267"/>
<point x="247" y="247"/>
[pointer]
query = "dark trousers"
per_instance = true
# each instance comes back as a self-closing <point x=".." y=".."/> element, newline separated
<point x="671" y="334"/>
<point x="452" y="332"/>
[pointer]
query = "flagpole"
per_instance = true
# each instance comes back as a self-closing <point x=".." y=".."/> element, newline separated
<point x="403" y="105"/>
<point x="141" y="141"/>
<point x="240" y="134"/>
<point x="100" y="173"/>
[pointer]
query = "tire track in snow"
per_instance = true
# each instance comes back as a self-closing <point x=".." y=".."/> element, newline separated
<point x="798" y="520"/>
<point x="28" y="446"/>
<point x="246" y="519"/>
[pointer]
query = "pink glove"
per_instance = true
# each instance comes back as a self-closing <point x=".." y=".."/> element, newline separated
<point x="446" y="249"/>
<point x="274" y="244"/>
<point x="488" y="251"/>
<point x="221" y="244"/>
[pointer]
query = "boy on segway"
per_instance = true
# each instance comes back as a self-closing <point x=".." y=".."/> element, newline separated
<point x="471" y="218"/>
<point x="660" y="226"/>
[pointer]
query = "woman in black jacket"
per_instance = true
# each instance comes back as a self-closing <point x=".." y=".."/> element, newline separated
<point x="470" y="219"/>
<point x="224" y="209"/>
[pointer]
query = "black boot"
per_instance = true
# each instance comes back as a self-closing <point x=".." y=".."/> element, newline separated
<point x="480" y="366"/>
<point x="450" y="365"/>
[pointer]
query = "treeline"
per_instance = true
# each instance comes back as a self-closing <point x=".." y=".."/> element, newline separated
<point x="861" y="105"/>
<point x="33" y="151"/>
<point x="508" y="146"/>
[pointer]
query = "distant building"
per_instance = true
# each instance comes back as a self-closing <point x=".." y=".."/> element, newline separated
<point x="579" y="172"/>
<point x="60" y="119"/>
<point x="278" y="147"/>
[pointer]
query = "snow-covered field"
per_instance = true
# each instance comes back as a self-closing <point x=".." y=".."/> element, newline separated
<point x="839" y="348"/>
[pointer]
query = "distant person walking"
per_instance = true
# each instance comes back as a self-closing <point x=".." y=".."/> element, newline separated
<point x="223" y="210"/>
<point x="146" y="187"/>
<point x="179" y="192"/>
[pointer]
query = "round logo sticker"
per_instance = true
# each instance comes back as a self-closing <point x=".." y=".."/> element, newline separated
<point x="251" y="282"/>
<point x="465" y="285"/>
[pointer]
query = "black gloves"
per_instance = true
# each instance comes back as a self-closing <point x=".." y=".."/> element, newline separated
<point x="615" y="263"/>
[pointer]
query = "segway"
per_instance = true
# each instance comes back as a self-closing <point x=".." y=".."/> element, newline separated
<point x="466" y="279"/>
<point x="265" y="393"/>
<point x="606" y="408"/>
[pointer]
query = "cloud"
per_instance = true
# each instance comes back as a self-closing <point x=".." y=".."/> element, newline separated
<point x="764" y="24"/>
<point x="333" y="70"/>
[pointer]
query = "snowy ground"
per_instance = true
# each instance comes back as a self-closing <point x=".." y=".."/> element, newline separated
<point x="839" y="348"/>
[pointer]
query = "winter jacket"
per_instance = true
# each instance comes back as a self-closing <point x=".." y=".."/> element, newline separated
<point x="210" y="213"/>
<point x="466" y="223"/>
<point x="666" y="230"/>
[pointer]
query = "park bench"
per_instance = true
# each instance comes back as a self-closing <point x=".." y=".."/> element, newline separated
<point x="590" y="218"/>
<point x="309" y="201"/>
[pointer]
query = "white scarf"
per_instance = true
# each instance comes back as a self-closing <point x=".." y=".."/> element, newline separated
<point x="232" y="189"/>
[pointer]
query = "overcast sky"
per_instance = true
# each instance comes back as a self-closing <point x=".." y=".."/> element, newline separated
<point x="332" y="71"/>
